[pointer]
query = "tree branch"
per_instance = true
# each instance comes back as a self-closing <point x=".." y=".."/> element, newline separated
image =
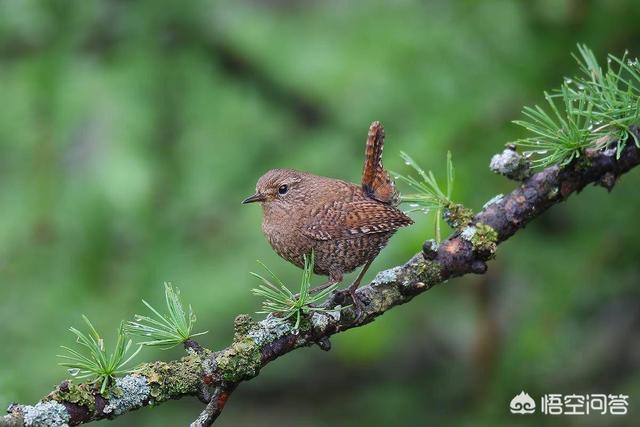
<point x="256" y="344"/>
<point x="214" y="407"/>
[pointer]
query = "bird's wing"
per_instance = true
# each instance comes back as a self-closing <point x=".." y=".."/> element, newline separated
<point x="376" y="182"/>
<point x="348" y="219"/>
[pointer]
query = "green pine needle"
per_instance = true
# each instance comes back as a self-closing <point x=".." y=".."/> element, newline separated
<point x="279" y="300"/>
<point x="168" y="330"/>
<point x="590" y="110"/>
<point x="92" y="360"/>
<point x="429" y="195"/>
<point x="559" y="137"/>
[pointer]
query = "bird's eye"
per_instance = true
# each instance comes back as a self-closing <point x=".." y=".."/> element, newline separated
<point x="283" y="189"/>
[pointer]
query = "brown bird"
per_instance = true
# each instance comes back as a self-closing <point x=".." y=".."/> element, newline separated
<point x="345" y="225"/>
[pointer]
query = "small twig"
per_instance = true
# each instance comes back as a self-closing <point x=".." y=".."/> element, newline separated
<point x="215" y="406"/>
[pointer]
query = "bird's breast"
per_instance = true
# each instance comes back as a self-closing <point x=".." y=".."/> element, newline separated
<point x="282" y="229"/>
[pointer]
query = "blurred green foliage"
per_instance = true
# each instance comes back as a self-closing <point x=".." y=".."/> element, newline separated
<point x="131" y="131"/>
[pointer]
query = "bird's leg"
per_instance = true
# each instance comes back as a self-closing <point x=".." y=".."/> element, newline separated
<point x="351" y="290"/>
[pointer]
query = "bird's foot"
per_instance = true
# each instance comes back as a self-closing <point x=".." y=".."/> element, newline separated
<point x="342" y="297"/>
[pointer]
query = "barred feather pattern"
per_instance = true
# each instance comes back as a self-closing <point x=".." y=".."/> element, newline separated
<point x="344" y="224"/>
<point x="336" y="219"/>
<point x="376" y="182"/>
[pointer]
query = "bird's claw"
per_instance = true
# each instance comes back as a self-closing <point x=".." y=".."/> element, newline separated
<point x="342" y="297"/>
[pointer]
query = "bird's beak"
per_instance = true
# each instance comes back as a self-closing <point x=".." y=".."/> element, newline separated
<point x="255" y="198"/>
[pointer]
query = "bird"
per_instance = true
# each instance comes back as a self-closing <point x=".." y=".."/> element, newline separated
<point x="345" y="225"/>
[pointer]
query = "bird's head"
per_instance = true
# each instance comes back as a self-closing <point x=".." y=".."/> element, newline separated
<point x="279" y="186"/>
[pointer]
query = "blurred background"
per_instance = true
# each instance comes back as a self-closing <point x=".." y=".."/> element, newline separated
<point x="131" y="131"/>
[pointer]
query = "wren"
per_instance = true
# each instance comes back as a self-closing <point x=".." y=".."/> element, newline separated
<point x="344" y="224"/>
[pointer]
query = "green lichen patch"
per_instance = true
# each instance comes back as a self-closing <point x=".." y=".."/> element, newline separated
<point x="81" y="394"/>
<point x="417" y="270"/>
<point x="168" y="380"/>
<point x="583" y="163"/>
<point x="429" y="273"/>
<point x="425" y="271"/>
<point x="457" y="215"/>
<point x="305" y="322"/>
<point x="484" y="240"/>
<point x="242" y="325"/>
<point x="242" y="360"/>
<point x="386" y="295"/>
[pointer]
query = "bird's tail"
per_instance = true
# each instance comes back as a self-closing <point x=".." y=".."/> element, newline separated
<point x="376" y="181"/>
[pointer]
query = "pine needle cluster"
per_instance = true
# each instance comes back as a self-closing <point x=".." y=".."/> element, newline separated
<point x="279" y="300"/>
<point x="596" y="108"/>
